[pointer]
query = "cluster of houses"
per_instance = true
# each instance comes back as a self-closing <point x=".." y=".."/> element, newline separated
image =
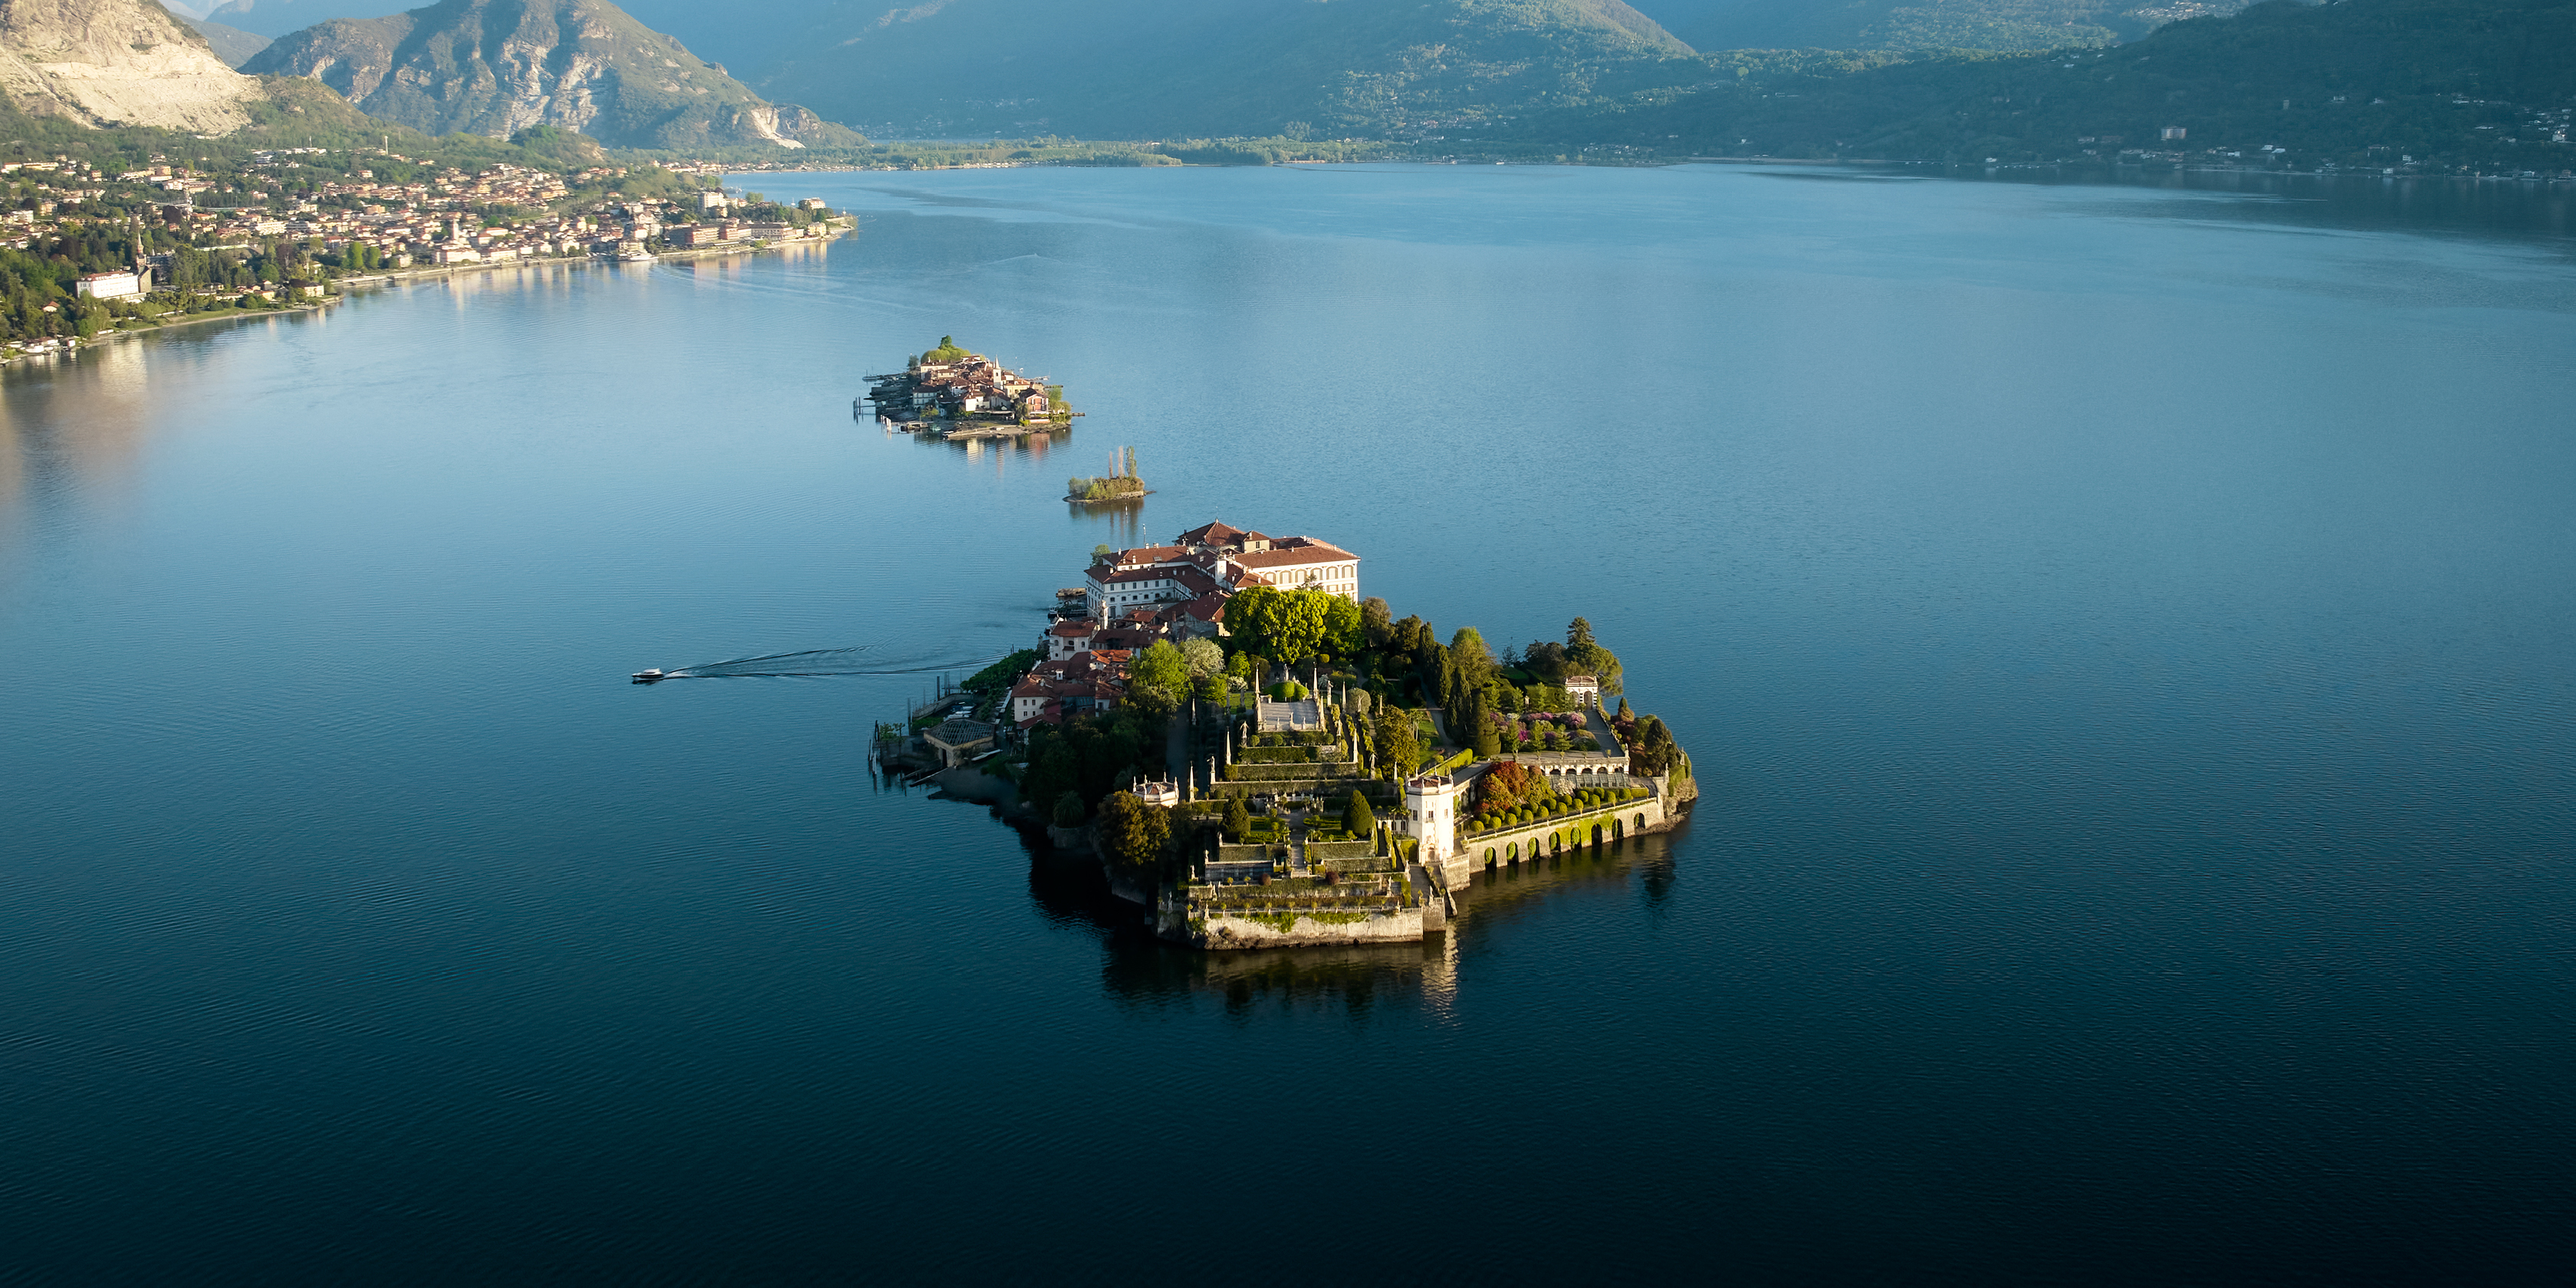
<point x="40" y="189"/>
<point x="969" y="386"/>
<point x="432" y="219"/>
<point x="404" y="223"/>
<point x="1131" y="598"/>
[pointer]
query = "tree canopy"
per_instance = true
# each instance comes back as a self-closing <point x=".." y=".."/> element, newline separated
<point x="1585" y="656"/>
<point x="1397" y="744"/>
<point x="1160" y="666"/>
<point x="1203" y="657"/>
<point x="1291" y="625"/>
<point x="1132" y="833"/>
<point x="1357" y="818"/>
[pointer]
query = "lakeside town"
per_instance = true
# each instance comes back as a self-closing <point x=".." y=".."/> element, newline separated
<point x="85" y="252"/>
<point x="1260" y="756"/>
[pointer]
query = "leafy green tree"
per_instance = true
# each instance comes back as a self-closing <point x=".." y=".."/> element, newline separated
<point x="1068" y="810"/>
<point x="1356" y="816"/>
<point x="1211" y="688"/>
<point x="1203" y="657"/>
<point x="1475" y="662"/>
<point x="1238" y="819"/>
<point x="1655" y="752"/>
<point x="1585" y="656"/>
<point x="1283" y="625"/>
<point x="1546" y="660"/>
<point x="1469" y="725"/>
<point x="1153" y="703"/>
<point x="1397" y="741"/>
<point x="1159" y="666"/>
<point x="1376" y="623"/>
<point x="1133" y="833"/>
<point x="1053" y="769"/>
<point x="1345" y="625"/>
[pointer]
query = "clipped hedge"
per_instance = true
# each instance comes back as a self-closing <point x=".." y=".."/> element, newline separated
<point x="1310" y="772"/>
<point x="1340" y="850"/>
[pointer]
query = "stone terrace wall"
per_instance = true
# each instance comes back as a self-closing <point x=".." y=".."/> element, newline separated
<point x="1403" y="925"/>
<point x="1549" y="836"/>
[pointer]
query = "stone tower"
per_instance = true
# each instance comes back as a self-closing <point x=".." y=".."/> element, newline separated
<point x="1431" y="803"/>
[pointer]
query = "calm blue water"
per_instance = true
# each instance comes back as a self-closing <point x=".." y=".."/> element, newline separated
<point x="2126" y="637"/>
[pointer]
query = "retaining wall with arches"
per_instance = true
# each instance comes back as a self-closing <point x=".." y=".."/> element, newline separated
<point x="1503" y="847"/>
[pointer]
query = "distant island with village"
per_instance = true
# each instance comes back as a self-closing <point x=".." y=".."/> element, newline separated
<point x="1261" y="756"/>
<point x="951" y="393"/>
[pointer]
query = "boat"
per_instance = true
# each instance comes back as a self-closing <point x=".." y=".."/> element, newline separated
<point x="634" y="253"/>
<point x="648" y="677"/>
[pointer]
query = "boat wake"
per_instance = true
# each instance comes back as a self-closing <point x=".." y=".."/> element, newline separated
<point x="821" y="661"/>
<point x="810" y="662"/>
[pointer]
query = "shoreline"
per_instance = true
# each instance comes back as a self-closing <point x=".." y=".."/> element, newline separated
<point x="398" y="277"/>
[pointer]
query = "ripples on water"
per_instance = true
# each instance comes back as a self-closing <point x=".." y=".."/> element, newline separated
<point x="2126" y="649"/>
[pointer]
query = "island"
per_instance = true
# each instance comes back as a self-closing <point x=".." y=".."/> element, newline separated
<point x="1260" y="756"/>
<point x="949" y="392"/>
<point x="1121" y="483"/>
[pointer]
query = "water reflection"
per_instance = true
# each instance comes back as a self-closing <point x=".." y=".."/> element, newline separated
<point x="1512" y="887"/>
<point x="1355" y="981"/>
<point x="72" y="433"/>
<point x="1139" y="970"/>
<point x="2355" y="202"/>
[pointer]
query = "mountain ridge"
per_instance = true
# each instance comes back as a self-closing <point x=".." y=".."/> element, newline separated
<point x="231" y="44"/>
<point x="499" y="67"/>
<point x="117" y="62"/>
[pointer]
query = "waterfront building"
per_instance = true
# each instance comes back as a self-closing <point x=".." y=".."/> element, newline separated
<point x="1205" y="565"/>
<point x="959" y="740"/>
<point x="1070" y="636"/>
<point x="125" y="284"/>
<point x="1089" y="680"/>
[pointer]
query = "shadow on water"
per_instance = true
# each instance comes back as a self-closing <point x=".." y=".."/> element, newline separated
<point x="1141" y="971"/>
<point x="2345" y="202"/>
<point x="2437" y="205"/>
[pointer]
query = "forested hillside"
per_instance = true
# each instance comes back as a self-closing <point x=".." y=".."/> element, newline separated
<point x="1131" y="68"/>
<point x="2005" y="25"/>
<point x="2481" y="84"/>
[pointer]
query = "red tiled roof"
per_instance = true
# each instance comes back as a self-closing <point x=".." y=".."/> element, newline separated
<point x="1163" y="572"/>
<point x="1212" y="534"/>
<point x="1293" y="552"/>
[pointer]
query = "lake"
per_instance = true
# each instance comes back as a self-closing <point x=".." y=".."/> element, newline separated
<point x="2125" y="636"/>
